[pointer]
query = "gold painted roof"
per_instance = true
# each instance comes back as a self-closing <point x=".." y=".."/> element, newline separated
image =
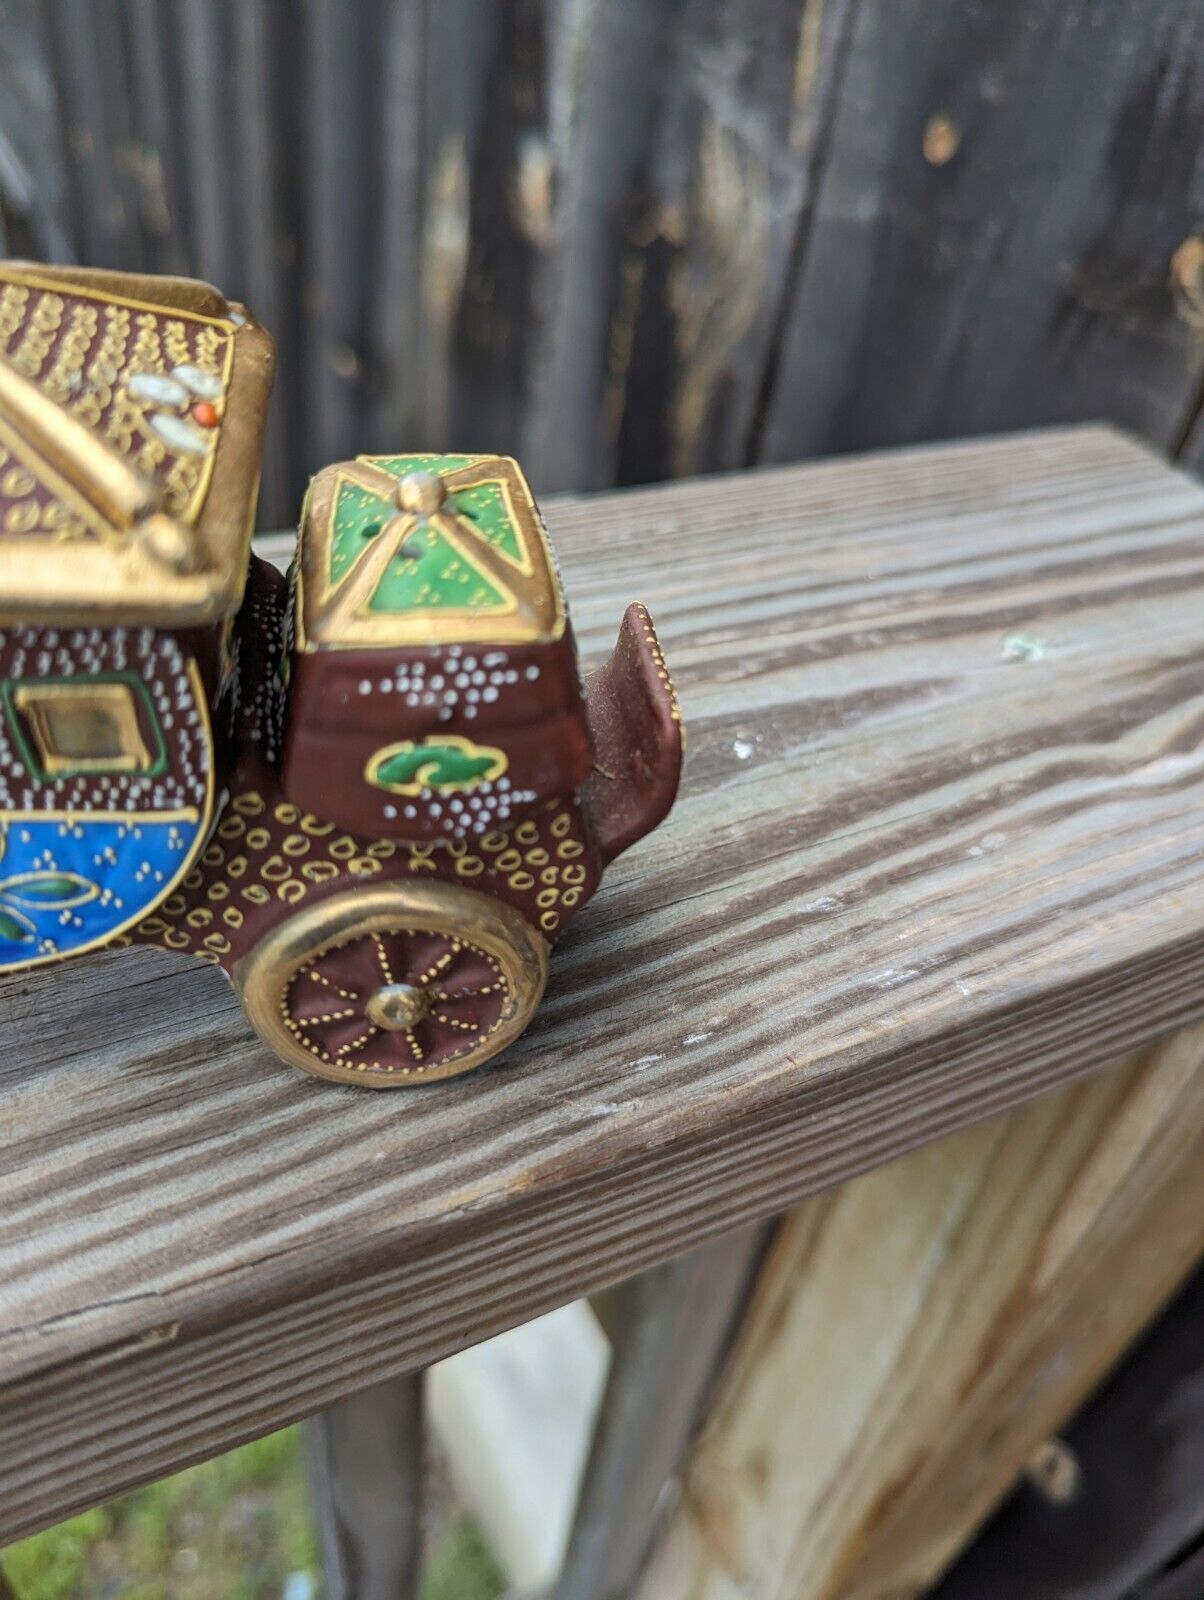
<point x="374" y="574"/>
<point x="131" y="424"/>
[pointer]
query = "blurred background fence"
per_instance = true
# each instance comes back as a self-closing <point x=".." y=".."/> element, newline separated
<point x="630" y="239"/>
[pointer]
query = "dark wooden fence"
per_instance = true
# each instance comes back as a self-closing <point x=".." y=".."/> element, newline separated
<point x="630" y="239"/>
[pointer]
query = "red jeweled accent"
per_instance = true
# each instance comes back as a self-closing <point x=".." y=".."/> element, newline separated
<point x="205" y="413"/>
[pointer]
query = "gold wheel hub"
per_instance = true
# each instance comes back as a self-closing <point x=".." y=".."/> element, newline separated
<point x="397" y="1006"/>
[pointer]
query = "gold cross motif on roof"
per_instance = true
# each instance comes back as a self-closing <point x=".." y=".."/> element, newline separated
<point x="395" y="554"/>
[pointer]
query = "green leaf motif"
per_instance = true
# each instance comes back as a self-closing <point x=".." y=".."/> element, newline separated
<point x="38" y="890"/>
<point x="447" y="765"/>
<point x="16" y="929"/>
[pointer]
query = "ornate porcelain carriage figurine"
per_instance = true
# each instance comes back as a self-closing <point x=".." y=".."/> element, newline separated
<point x="375" y="793"/>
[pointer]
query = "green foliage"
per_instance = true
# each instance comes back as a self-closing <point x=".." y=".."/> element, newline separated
<point x="234" y="1528"/>
<point x="460" y="1566"/>
<point x="231" y="1529"/>
<point x="54" y="1565"/>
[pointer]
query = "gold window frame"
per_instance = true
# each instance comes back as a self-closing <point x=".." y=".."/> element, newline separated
<point x="115" y="701"/>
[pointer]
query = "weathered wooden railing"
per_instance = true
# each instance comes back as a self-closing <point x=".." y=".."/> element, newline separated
<point x="939" y="849"/>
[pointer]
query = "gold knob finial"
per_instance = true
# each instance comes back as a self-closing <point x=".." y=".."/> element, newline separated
<point x="421" y="493"/>
<point x="168" y="542"/>
<point x="397" y="1006"/>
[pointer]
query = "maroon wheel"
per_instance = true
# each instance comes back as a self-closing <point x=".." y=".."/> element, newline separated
<point x="396" y="984"/>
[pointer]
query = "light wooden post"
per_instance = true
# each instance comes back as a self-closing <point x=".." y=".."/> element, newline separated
<point x="365" y="1472"/>
<point x="916" y="1333"/>
<point x="1115" y="1504"/>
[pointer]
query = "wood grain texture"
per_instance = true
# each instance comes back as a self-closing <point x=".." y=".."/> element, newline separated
<point x="339" y="63"/>
<point x="684" y="173"/>
<point x="991" y="245"/>
<point x="161" y="158"/>
<point x="627" y="241"/>
<point x="208" y="119"/>
<point x="33" y="198"/>
<point x="914" y="1335"/>
<point x="397" y="313"/>
<point x="913" y="878"/>
<point x="83" y="44"/>
<point x="1136" y="1510"/>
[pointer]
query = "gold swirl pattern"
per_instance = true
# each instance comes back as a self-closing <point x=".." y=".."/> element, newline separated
<point x="264" y="853"/>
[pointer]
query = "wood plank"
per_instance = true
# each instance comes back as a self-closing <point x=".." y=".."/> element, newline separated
<point x="33" y="176"/>
<point x="273" y="57"/>
<point x="683" y="161"/>
<point x="673" y="1326"/>
<point x="938" y="848"/>
<point x="259" y="33"/>
<point x="397" y="311"/>
<point x="455" y="43"/>
<point x="609" y="80"/>
<point x="1187" y="285"/>
<point x="633" y="240"/>
<point x="84" y="44"/>
<point x="365" y="1475"/>
<point x="1136" y="1485"/>
<point x="991" y="246"/>
<point x="914" y="1335"/>
<point x="209" y="123"/>
<point x="162" y="151"/>
<point x="338" y="166"/>
<point x="486" y="197"/>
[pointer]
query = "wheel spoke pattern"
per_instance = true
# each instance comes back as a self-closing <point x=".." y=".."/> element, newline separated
<point x="394" y="984"/>
<point x="460" y="994"/>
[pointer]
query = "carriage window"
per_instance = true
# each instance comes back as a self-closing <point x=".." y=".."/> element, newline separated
<point x="85" y="727"/>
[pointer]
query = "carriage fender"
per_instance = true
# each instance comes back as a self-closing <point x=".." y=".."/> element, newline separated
<point x="636" y="730"/>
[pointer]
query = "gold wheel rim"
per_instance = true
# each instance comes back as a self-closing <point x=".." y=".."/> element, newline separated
<point x="504" y="938"/>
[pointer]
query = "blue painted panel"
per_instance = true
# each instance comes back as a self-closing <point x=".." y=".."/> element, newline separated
<point x="70" y="882"/>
